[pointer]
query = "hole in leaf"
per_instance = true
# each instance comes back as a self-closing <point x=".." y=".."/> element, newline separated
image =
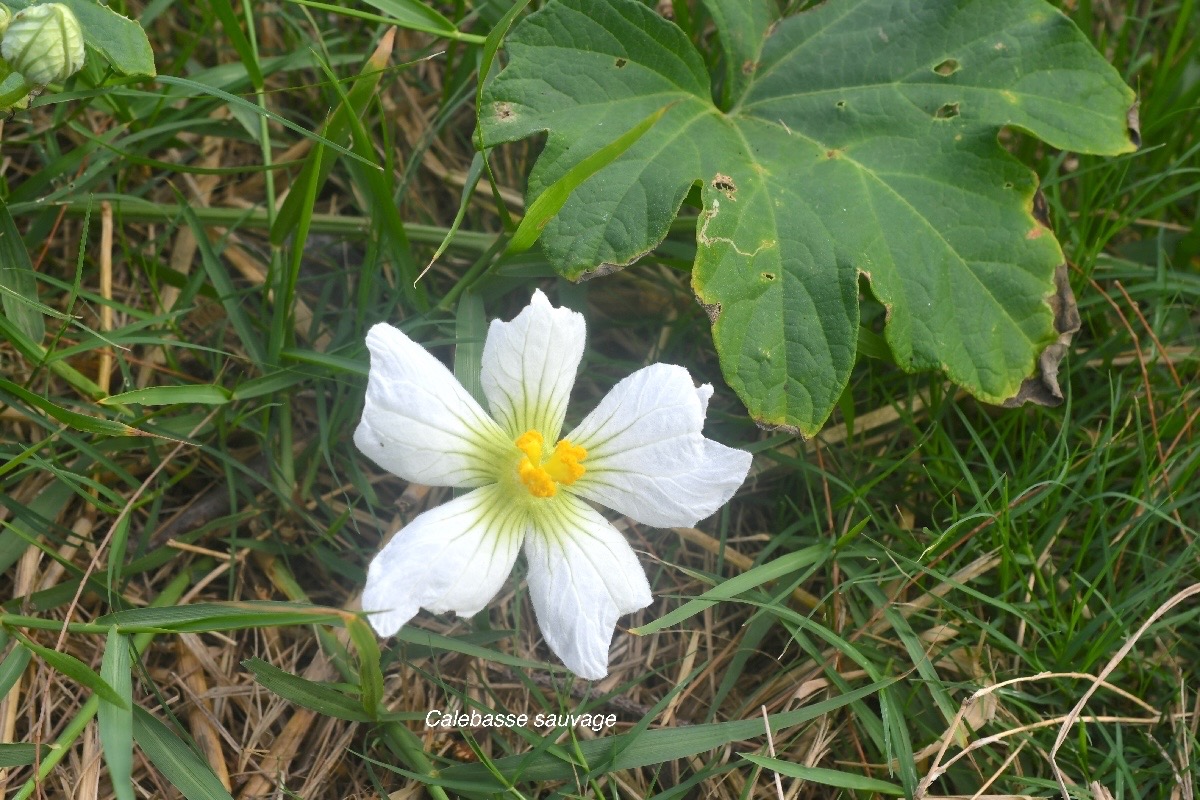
<point x="948" y="111"/>
<point x="768" y="276"/>
<point x="621" y="62"/>
<point x="1008" y="185"/>
<point x="725" y="185"/>
<point x="841" y="103"/>
<point x="946" y="68"/>
<point x="1041" y="210"/>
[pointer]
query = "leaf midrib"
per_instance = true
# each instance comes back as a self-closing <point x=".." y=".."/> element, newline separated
<point x="963" y="265"/>
<point x="850" y="6"/>
<point x="646" y="39"/>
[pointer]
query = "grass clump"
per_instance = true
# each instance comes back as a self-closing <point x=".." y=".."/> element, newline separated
<point x="920" y="598"/>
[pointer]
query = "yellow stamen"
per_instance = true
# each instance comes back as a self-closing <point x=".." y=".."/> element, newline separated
<point x="541" y="478"/>
<point x="531" y="444"/>
<point x="564" y="465"/>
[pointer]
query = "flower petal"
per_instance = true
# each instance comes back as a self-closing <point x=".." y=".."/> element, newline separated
<point x="582" y="576"/>
<point x="529" y="367"/>
<point x="646" y="457"/>
<point x="420" y="423"/>
<point x="451" y="558"/>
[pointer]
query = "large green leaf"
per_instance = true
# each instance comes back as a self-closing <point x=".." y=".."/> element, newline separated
<point x="858" y="138"/>
<point x="118" y="39"/>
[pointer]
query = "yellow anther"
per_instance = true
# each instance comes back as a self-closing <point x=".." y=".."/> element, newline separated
<point x="536" y="480"/>
<point x="531" y="443"/>
<point x="564" y="464"/>
<point x="540" y="477"/>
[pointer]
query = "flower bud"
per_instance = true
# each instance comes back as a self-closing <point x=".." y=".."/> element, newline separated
<point x="5" y="18"/>
<point x="44" y="43"/>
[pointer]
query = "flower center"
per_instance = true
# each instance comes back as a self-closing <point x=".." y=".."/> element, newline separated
<point x="540" y="477"/>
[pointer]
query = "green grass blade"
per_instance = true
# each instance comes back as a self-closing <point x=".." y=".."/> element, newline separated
<point x="229" y="294"/>
<point x="76" y="670"/>
<point x="36" y="354"/>
<point x="319" y="160"/>
<point x="436" y="642"/>
<point x="129" y="156"/>
<point x="370" y="677"/>
<point x="246" y="106"/>
<point x="470" y="329"/>
<point x="116" y="723"/>
<point x="650" y="747"/>
<point x="827" y="777"/>
<point x="75" y="727"/>
<point x="81" y="422"/>
<point x="315" y="696"/>
<point x="554" y="196"/>
<point x="473" y="176"/>
<point x="136" y="209"/>
<point x="416" y="16"/>
<point x="12" y="668"/>
<point x="376" y="185"/>
<point x="898" y="747"/>
<point x="201" y="394"/>
<point x="232" y="616"/>
<point x="178" y="763"/>
<point x="925" y="668"/>
<point x="237" y="38"/>
<point x="32" y="522"/>
<point x="411" y="15"/>
<point x="21" y="754"/>
<point x="727" y="590"/>
<point x="283" y="318"/>
<point x="18" y="281"/>
<point x="334" y="363"/>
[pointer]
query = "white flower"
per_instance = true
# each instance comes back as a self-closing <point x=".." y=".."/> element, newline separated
<point x="640" y="452"/>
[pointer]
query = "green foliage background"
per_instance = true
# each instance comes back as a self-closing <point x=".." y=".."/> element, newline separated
<point x="189" y="264"/>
